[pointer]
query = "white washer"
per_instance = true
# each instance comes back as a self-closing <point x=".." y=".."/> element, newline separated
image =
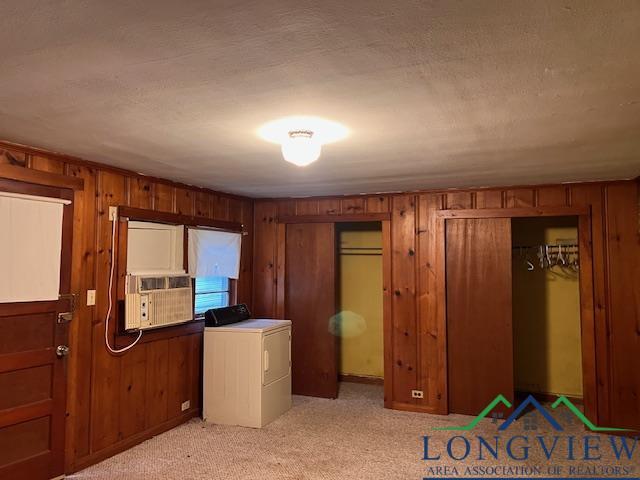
<point x="247" y="372"/>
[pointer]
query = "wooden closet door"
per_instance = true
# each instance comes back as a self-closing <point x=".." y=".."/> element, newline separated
<point x="479" y="316"/>
<point x="310" y="305"/>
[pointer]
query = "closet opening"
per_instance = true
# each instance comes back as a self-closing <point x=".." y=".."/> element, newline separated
<point x="519" y="314"/>
<point x="547" y="351"/>
<point x="358" y="324"/>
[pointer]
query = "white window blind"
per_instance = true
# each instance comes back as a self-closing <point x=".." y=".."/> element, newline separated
<point x="213" y="253"/>
<point x="211" y="292"/>
<point x="30" y="247"/>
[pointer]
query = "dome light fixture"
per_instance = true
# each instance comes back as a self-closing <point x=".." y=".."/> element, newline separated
<point x="300" y="148"/>
<point x="301" y="138"/>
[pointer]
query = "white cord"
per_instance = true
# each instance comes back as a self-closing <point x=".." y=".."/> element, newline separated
<point x="106" y="320"/>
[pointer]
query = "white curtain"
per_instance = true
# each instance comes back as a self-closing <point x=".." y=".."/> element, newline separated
<point x="213" y="253"/>
<point x="30" y="247"/>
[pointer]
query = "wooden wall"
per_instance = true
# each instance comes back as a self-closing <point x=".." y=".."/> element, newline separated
<point x="417" y="281"/>
<point x="114" y="402"/>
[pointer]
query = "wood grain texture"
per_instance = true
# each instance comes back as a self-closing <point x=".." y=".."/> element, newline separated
<point x="430" y="342"/>
<point x="403" y="280"/>
<point x="431" y="336"/>
<point x="310" y="304"/>
<point x="117" y="401"/>
<point x="185" y="201"/>
<point x="479" y="313"/>
<point x="522" y="197"/>
<point x="164" y="198"/>
<point x="264" y="259"/>
<point x="33" y="378"/>
<point x="80" y="329"/>
<point x="623" y="248"/>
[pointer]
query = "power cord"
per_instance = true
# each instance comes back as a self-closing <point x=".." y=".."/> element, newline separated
<point x="106" y="320"/>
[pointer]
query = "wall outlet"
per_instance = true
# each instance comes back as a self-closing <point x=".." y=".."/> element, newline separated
<point x="417" y="394"/>
<point x="91" y="298"/>
<point x="186" y="405"/>
<point x="113" y="214"/>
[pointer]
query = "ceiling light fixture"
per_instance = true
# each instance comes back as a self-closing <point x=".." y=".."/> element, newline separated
<point x="301" y="148"/>
<point x="301" y="138"/>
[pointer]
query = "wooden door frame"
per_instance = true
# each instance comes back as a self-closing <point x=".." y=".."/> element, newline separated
<point x="587" y="303"/>
<point x="387" y="326"/>
<point x="23" y="180"/>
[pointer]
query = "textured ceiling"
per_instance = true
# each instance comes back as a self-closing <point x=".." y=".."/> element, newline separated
<point x="436" y="93"/>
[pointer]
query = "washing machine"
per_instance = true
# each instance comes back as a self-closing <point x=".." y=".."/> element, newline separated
<point x="247" y="368"/>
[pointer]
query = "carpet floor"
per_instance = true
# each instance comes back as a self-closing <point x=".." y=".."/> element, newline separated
<point x="352" y="437"/>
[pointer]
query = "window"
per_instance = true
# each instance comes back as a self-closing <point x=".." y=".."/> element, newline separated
<point x="211" y="292"/>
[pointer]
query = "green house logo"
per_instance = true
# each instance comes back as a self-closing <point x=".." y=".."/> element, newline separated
<point x="531" y="401"/>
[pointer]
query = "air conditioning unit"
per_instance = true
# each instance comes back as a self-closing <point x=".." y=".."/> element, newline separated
<point x="154" y="301"/>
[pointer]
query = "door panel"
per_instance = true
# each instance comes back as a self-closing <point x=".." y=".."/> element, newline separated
<point x="479" y="316"/>
<point x="276" y="351"/>
<point x="310" y="305"/>
<point x="32" y="376"/>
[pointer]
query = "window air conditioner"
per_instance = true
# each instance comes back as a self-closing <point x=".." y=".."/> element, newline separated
<point x="154" y="301"/>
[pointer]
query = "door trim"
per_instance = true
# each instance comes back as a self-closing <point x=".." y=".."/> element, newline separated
<point x="587" y="312"/>
<point x="38" y="177"/>
<point x="387" y="312"/>
<point x="26" y="181"/>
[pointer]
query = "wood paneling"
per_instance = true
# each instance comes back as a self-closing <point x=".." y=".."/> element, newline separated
<point x="522" y="197"/>
<point x="157" y="383"/>
<point x="46" y="164"/>
<point x="81" y="328"/>
<point x="307" y="207"/>
<point x="329" y="206"/>
<point x="403" y="283"/>
<point x="221" y="208"/>
<point x="623" y="248"/>
<point x="552" y="197"/>
<point x="140" y="193"/>
<point x="204" y="205"/>
<point x="479" y="311"/>
<point x="377" y="204"/>
<point x="264" y="260"/>
<point x="133" y="391"/>
<point x="432" y="336"/>
<point x="459" y="200"/>
<point x="615" y="280"/>
<point x="489" y="199"/>
<point x="164" y="198"/>
<point x="117" y="401"/>
<point x="352" y="206"/>
<point x="105" y="377"/>
<point x="185" y="201"/>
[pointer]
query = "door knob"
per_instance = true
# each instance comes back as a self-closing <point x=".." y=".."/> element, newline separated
<point x="62" y="351"/>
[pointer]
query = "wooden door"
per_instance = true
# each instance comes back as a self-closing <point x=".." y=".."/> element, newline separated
<point x="33" y="339"/>
<point x="310" y="305"/>
<point x="479" y="317"/>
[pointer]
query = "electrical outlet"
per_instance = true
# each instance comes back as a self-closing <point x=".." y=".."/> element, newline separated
<point x="113" y="214"/>
<point x="186" y="405"/>
<point x="91" y="298"/>
<point x="417" y="394"/>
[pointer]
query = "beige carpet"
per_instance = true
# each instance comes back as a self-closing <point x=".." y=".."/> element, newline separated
<point x="352" y="437"/>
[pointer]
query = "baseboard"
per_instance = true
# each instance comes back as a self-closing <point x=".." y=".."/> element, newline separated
<point x="361" y="379"/>
<point x="131" y="441"/>
<point x="550" y="397"/>
<point x="412" y="407"/>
